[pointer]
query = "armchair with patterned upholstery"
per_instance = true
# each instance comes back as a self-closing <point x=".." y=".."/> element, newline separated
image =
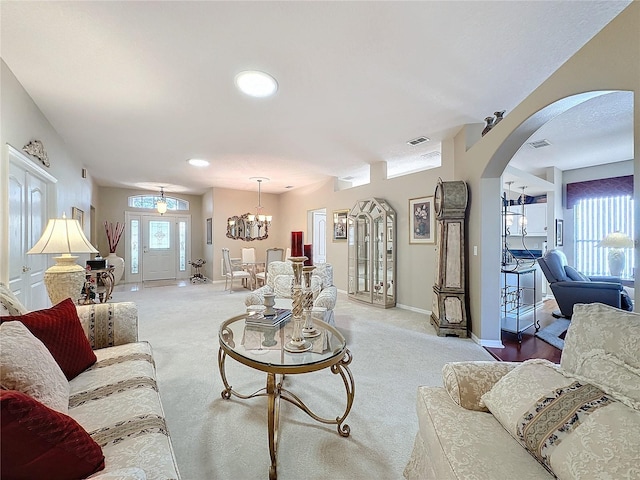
<point x="280" y="282"/>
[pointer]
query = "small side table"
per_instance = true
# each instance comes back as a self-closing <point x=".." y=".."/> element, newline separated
<point x="99" y="281"/>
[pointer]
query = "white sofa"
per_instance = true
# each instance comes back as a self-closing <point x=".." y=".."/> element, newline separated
<point x="116" y="400"/>
<point x="280" y="282"/>
<point x="538" y="420"/>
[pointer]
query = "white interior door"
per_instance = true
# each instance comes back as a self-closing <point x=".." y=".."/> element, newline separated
<point x="158" y="248"/>
<point x="320" y="236"/>
<point x="29" y="193"/>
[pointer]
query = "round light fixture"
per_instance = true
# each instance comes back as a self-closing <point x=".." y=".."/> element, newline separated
<point x="256" y="84"/>
<point x="198" y="162"/>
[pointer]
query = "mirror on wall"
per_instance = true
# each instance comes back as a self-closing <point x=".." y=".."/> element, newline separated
<point x="247" y="227"/>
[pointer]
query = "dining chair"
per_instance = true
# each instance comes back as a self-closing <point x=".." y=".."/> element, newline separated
<point x="249" y="264"/>
<point x="232" y="271"/>
<point x="273" y="255"/>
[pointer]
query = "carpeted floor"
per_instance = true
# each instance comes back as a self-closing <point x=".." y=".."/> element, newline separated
<point x="394" y="351"/>
<point x="554" y="333"/>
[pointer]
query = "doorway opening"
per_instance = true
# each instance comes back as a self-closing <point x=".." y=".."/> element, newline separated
<point x="317" y="221"/>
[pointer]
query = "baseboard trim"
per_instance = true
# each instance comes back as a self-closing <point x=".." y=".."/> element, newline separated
<point x="486" y="343"/>
<point x="413" y="309"/>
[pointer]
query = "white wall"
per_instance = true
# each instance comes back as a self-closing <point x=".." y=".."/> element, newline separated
<point x="22" y="121"/>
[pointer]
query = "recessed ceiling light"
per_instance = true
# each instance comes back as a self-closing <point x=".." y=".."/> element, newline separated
<point x="198" y="162"/>
<point x="256" y="84"/>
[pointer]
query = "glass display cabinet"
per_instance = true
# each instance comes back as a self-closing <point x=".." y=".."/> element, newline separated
<point x="372" y="253"/>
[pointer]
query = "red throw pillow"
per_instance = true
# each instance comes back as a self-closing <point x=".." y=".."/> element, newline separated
<point x="38" y="442"/>
<point x="60" y="330"/>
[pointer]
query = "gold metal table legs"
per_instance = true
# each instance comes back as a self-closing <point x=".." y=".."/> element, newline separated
<point x="275" y="392"/>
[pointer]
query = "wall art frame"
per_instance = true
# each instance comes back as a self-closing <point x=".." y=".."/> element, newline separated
<point x="559" y="232"/>
<point x="340" y="225"/>
<point x="422" y="221"/>
<point x="209" y="231"/>
<point x="78" y="214"/>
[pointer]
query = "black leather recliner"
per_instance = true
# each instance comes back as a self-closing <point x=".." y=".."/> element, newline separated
<point x="570" y="286"/>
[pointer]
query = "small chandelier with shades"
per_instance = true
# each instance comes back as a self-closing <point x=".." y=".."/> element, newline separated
<point x="259" y="219"/>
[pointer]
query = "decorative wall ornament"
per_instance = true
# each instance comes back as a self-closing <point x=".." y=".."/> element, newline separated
<point x="35" y="148"/>
<point x="493" y="121"/>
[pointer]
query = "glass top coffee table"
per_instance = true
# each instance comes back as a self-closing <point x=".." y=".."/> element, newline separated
<point x="262" y="348"/>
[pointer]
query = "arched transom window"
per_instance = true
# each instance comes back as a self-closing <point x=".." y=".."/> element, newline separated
<point x="149" y="202"/>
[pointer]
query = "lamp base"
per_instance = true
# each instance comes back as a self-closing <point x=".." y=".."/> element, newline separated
<point x="65" y="279"/>
<point x="616" y="261"/>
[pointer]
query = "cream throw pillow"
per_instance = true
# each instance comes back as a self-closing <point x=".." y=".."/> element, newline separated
<point x="602" y="347"/>
<point x="26" y="365"/>
<point x="9" y="303"/>
<point x="574" y="429"/>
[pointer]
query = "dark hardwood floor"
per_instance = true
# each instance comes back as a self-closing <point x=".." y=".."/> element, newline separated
<point x="531" y="346"/>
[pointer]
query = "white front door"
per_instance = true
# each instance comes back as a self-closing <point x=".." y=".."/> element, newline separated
<point x="320" y="236"/>
<point x="158" y="248"/>
<point x="29" y="193"/>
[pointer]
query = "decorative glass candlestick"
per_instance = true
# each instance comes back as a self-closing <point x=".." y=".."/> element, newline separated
<point x="309" y="331"/>
<point x="297" y="342"/>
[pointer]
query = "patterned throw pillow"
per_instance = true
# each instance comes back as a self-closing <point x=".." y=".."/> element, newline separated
<point x="38" y="442"/>
<point x="602" y="347"/>
<point x="574" y="429"/>
<point x="60" y="330"/>
<point x="27" y="366"/>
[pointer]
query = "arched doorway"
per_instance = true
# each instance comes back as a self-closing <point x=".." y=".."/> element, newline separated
<point x="492" y="185"/>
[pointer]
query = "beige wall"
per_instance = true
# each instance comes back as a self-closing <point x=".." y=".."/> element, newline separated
<point x="228" y="203"/>
<point x="610" y="61"/>
<point x="21" y="122"/>
<point x="415" y="263"/>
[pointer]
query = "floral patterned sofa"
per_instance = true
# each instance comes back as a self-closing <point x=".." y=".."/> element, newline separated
<point x="103" y="418"/>
<point x="280" y="282"/>
<point x="533" y="420"/>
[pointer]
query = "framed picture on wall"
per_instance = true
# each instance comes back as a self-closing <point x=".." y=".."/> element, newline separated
<point x="422" y="220"/>
<point x="209" y="231"/>
<point x="340" y="225"/>
<point x="559" y="233"/>
<point x="78" y="214"/>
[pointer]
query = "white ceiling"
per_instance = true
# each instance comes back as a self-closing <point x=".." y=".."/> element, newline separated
<point x="137" y="88"/>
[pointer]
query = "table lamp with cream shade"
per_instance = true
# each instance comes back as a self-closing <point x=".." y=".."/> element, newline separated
<point x="616" y="242"/>
<point x="66" y="278"/>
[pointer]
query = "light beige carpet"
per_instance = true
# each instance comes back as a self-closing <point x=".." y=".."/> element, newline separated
<point x="394" y="351"/>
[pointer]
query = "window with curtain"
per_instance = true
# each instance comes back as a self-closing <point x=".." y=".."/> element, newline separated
<point x="601" y="207"/>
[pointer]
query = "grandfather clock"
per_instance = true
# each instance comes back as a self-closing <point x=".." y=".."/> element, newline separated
<point x="449" y="311"/>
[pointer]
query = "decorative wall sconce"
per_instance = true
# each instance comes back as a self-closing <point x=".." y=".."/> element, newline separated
<point x="35" y="148"/>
